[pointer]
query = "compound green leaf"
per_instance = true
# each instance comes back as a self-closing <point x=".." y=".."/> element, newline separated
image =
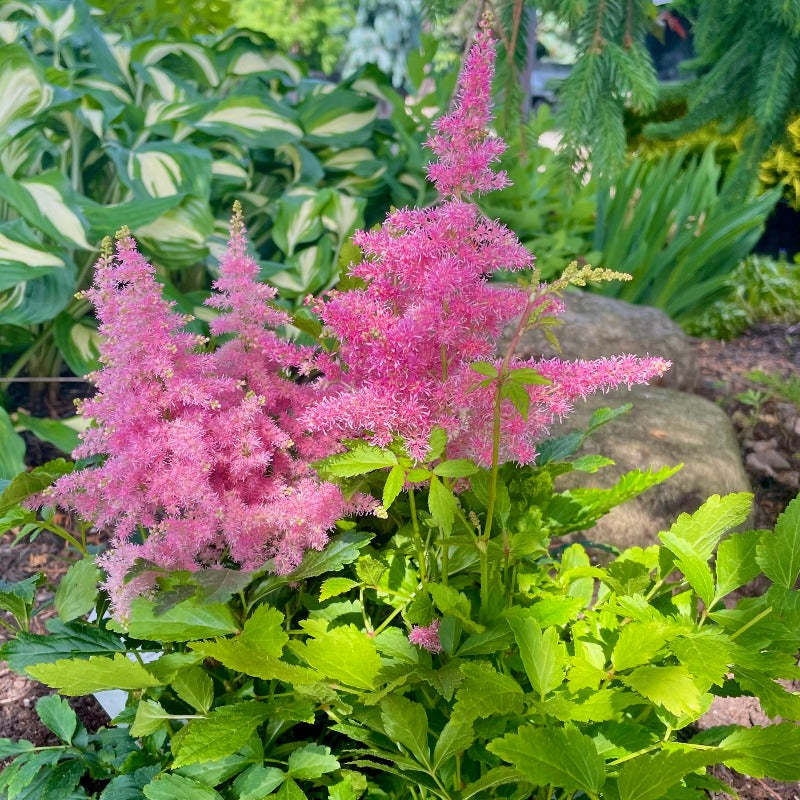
<point x="77" y="591"/>
<point x="57" y="714"/>
<point x="176" y="787"/>
<point x="703" y="529"/>
<point x="183" y="622"/>
<point x="637" y="644"/>
<point x="736" y="562"/>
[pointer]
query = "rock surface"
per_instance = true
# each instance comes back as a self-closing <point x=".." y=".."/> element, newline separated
<point x="665" y="427"/>
<point x="596" y="326"/>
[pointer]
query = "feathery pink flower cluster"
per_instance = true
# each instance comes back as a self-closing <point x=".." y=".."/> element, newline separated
<point x="426" y="636"/>
<point x="427" y="311"/>
<point x="203" y="454"/>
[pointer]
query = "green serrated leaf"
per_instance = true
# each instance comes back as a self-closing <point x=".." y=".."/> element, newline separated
<point x="518" y="395"/>
<point x="703" y="529"/>
<point x="76" y="676"/>
<point x="344" y="654"/>
<point x="57" y="715"/>
<point x="150" y="716"/>
<point x="362" y="459"/>
<point x="195" y="687"/>
<point x="764" y="752"/>
<point x="707" y="654"/>
<point x="77" y="591"/>
<point x="456" y="736"/>
<point x="33" y="482"/>
<point x="484" y="368"/>
<point x="637" y="644"/>
<point x="442" y="505"/>
<point x="692" y="564"/>
<point x="406" y="723"/>
<point x="341" y="550"/>
<point x="456" y="468"/>
<point x="263" y="631"/>
<point x="257" y="782"/>
<point x="673" y="688"/>
<point x="736" y="562"/>
<point x="650" y="777"/>
<point x="779" y="553"/>
<point x="310" y="762"/>
<point x="220" y="734"/>
<point x="528" y="376"/>
<point x="191" y="619"/>
<point x="395" y="481"/>
<point x="543" y="654"/>
<point x="176" y="787"/>
<point x="333" y="587"/>
<point x="563" y="757"/>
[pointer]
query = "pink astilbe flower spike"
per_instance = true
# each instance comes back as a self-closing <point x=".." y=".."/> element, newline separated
<point x="203" y="452"/>
<point x="427" y="312"/>
<point x="426" y="636"/>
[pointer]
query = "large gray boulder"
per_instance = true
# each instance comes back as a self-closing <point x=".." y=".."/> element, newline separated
<point x="664" y="428"/>
<point x="596" y="326"/>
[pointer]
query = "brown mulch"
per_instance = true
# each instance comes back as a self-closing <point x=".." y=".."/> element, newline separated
<point x="773" y="427"/>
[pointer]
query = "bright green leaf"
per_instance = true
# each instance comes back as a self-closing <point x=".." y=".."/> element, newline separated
<point x="77" y="591"/>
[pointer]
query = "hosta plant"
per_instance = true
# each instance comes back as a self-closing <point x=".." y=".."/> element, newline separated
<point x="340" y="571"/>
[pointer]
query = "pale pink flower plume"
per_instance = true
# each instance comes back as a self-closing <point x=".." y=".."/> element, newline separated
<point x="200" y="454"/>
<point x="428" y="311"/>
<point x="426" y="636"/>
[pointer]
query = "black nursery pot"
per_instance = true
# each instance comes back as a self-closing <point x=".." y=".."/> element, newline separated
<point x="781" y="231"/>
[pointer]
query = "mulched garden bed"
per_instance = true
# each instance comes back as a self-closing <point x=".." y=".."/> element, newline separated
<point x="773" y="429"/>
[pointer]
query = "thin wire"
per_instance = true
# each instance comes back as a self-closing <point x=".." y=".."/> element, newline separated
<point x="44" y="380"/>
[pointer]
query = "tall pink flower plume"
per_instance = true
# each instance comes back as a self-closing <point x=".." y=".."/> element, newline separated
<point x="201" y="452"/>
<point x="463" y="144"/>
<point x="427" y="312"/>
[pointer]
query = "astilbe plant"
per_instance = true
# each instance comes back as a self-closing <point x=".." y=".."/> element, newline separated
<point x="201" y="453"/>
<point x="427" y="311"/>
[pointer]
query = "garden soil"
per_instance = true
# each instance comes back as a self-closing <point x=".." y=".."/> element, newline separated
<point x="773" y="428"/>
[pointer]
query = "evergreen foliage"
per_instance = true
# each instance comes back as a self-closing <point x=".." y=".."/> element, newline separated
<point x="748" y="68"/>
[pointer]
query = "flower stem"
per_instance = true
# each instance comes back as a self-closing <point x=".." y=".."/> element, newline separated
<point x="423" y="576"/>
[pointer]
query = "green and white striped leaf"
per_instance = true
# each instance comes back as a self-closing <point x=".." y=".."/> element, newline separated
<point x="299" y="218"/>
<point x="308" y="272"/>
<point x="163" y="169"/>
<point x="178" y="237"/>
<point x="165" y="111"/>
<point x="251" y="121"/>
<point x="78" y="342"/>
<point x="153" y="52"/>
<point x="57" y="19"/>
<point x="23" y="92"/>
<point x="105" y="220"/>
<point x="343" y="214"/>
<point x="23" y="257"/>
<point x="38" y="300"/>
<point x="227" y="172"/>
<point x="48" y="203"/>
<point x="257" y="62"/>
<point x="338" y="117"/>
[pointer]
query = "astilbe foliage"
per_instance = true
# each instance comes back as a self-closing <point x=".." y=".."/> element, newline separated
<point x="427" y="311"/>
<point x="201" y="452"/>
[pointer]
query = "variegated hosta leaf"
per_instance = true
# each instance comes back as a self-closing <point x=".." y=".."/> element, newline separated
<point x="164" y="111"/>
<point x="299" y="218"/>
<point x="23" y="92"/>
<point x="106" y="219"/>
<point x="266" y="65"/>
<point x="306" y="167"/>
<point x="38" y="300"/>
<point x="338" y="117"/>
<point x="10" y="31"/>
<point x="178" y="238"/>
<point x="162" y="169"/>
<point x="191" y="53"/>
<point x="252" y="121"/>
<point x="249" y="52"/>
<point x="58" y="19"/>
<point x="12" y="448"/>
<point x="343" y="214"/>
<point x="164" y="84"/>
<point x="78" y="342"/>
<point x="23" y="257"/>
<point x="229" y="173"/>
<point x="49" y="204"/>
<point x="308" y="272"/>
